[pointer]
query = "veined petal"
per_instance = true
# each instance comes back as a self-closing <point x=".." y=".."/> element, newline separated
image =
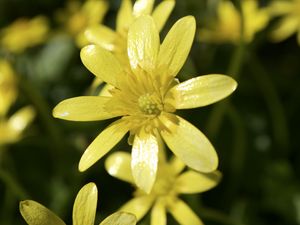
<point x="142" y="7"/>
<point x="118" y="165"/>
<point x="84" y="209"/>
<point x="124" y="17"/>
<point x="143" y="44"/>
<point x="183" y="213"/>
<point x="144" y="160"/>
<point x="84" y="108"/>
<point x="121" y="218"/>
<point x="189" y="144"/>
<point x="176" y="45"/>
<point x="103" y="143"/>
<point x="138" y="206"/>
<point x="162" y="12"/>
<point x="37" y="214"/>
<point x="158" y="213"/>
<point x="102" y="36"/>
<point x="193" y="182"/>
<point x="20" y="120"/>
<point x="202" y="91"/>
<point x="285" y="28"/>
<point x="101" y="63"/>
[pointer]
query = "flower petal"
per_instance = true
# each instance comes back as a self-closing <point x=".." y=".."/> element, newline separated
<point x="158" y="213"/>
<point x="144" y="160"/>
<point x="162" y="12"/>
<point x="118" y="165"/>
<point x="138" y="206"/>
<point x="202" y="91"/>
<point x="37" y="214"/>
<point x="103" y="143"/>
<point x="193" y="182"/>
<point x="102" y="36"/>
<point x="101" y="63"/>
<point x="84" y="209"/>
<point x="285" y="28"/>
<point x="189" y="144"/>
<point x="176" y="164"/>
<point x="20" y="120"/>
<point x="142" y="7"/>
<point x="176" y="45"/>
<point x="143" y="44"/>
<point x="183" y="213"/>
<point x="121" y="218"/>
<point x="85" y="108"/>
<point x="124" y="17"/>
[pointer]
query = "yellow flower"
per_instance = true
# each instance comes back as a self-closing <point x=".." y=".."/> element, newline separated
<point x="77" y="17"/>
<point x="228" y="26"/>
<point x="171" y="181"/>
<point x="146" y="96"/>
<point x="24" y="33"/>
<point x="11" y="128"/>
<point x="84" y="211"/>
<point x="290" y="21"/>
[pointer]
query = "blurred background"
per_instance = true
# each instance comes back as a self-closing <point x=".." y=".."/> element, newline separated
<point x="255" y="131"/>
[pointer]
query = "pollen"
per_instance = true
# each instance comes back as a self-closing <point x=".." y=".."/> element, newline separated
<point x="149" y="105"/>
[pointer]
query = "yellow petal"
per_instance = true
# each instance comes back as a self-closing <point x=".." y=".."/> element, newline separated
<point x="124" y="17"/>
<point x="158" y="213"/>
<point x="142" y="7"/>
<point x="177" y="44"/>
<point x="143" y="44"/>
<point x="101" y="63"/>
<point x="85" y="108"/>
<point x="138" y="206"/>
<point x="189" y="144"/>
<point x="144" y="160"/>
<point x="162" y="12"/>
<point x="102" y="36"/>
<point x="176" y="164"/>
<point x="118" y="165"/>
<point x="121" y="218"/>
<point x="202" y="91"/>
<point x="21" y="119"/>
<point x="183" y="213"/>
<point x="193" y="182"/>
<point x="285" y="28"/>
<point x="37" y="214"/>
<point x="103" y="143"/>
<point x="84" y="209"/>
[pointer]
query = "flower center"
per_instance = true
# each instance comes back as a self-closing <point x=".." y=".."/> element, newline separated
<point x="149" y="104"/>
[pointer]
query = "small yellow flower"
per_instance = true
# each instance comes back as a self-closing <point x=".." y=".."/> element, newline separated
<point x="171" y="181"/>
<point x="290" y="21"/>
<point x="11" y="128"/>
<point x="228" y="26"/>
<point x="146" y="97"/>
<point x="24" y="33"/>
<point x="84" y="211"/>
<point x="77" y="17"/>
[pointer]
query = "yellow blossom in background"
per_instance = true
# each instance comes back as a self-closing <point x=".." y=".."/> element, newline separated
<point x="24" y="33"/>
<point x="78" y="16"/>
<point x="289" y="23"/>
<point x="11" y="128"/>
<point x="171" y="181"/>
<point x="84" y="211"/>
<point x="146" y="97"/>
<point x="227" y="28"/>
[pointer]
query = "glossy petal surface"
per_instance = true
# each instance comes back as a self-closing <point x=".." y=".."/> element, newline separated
<point x="84" y="209"/>
<point x="138" y="206"/>
<point x="158" y="213"/>
<point x="193" y="182"/>
<point x="183" y="213"/>
<point x="142" y="7"/>
<point x="85" y="108"/>
<point x="37" y="214"/>
<point x="143" y="45"/>
<point x="202" y="91"/>
<point x="144" y="160"/>
<point x="101" y="63"/>
<point x="177" y="44"/>
<point x="189" y="144"/>
<point x="118" y="165"/>
<point x="119" y="218"/>
<point x="103" y="143"/>
<point x="162" y="12"/>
